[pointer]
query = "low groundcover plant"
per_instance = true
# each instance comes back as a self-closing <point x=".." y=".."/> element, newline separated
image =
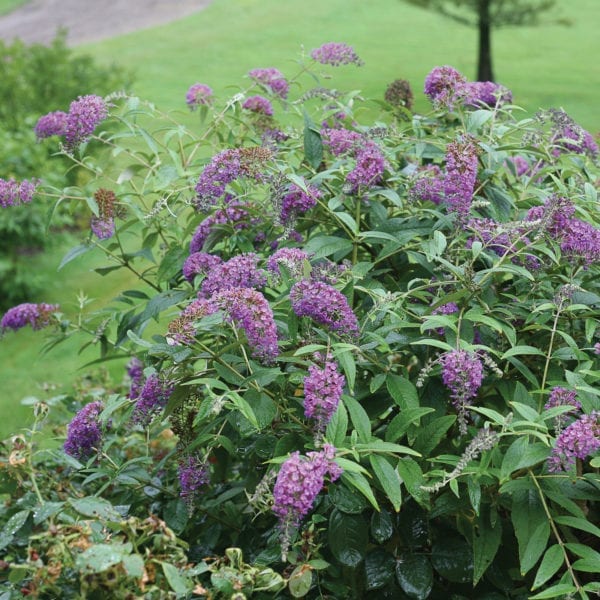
<point x="360" y="350"/>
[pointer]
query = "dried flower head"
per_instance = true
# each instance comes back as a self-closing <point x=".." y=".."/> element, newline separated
<point x="399" y="93"/>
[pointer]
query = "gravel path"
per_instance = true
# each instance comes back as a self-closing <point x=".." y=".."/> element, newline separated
<point x="91" y="20"/>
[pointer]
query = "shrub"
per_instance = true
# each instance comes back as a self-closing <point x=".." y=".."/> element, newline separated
<point x="362" y="358"/>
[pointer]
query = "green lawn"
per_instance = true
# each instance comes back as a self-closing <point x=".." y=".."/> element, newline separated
<point x="545" y="66"/>
<point x="8" y="5"/>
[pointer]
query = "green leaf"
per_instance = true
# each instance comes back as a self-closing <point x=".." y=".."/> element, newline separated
<point x="360" y="482"/>
<point x="161" y="302"/>
<point x="12" y="527"/>
<point x="551" y="563"/>
<point x="452" y="558"/>
<point x="348" y="538"/>
<point x="171" y="263"/>
<point x="134" y="565"/>
<point x="178" y="582"/>
<point x="412" y="477"/>
<point x="379" y="568"/>
<point x="402" y="391"/>
<point x="73" y="253"/>
<point x="337" y="426"/>
<point x="520" y="454"/>
<point x="359" y="417"/>
<point x="561" y="590"/>
<point x="518" y="350"/>
<point x="486" y="541"/>
<point x="388" y="478"/>
<point x="415" y="575"/>
<point x="347" y="500"/>
<point x="382" y="527"/>
<point x="100" y="557"/>
<point x="98" y="508"/>
<point x="432" y="434"/>
<point x="300" y="581"/>
<point x="176" y="515"/>
<point x="313" y="147"/>
<point x="578" y="523"/>
<point x="326" y="245"/>
<point x="400" y="424"/>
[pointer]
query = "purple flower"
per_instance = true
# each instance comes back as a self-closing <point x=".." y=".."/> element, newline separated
<point x="325" y="305"/>
<point x="199" y="263"/>
<point x="238" y="272"/>
<point x="461" y="175"/>
<point x="259" y="104"/>
<point x="249" y="309"/>
<point x="234" y="214"/>
<point x="462" y="374"/>
<point x="298" y="201"/>
<point x="193" y="476"/>
<point x="560" y="396"/>
<point x="198" y="94"/>
<point x="84" y="434"/>
<point x="299" y="482"/>
<point x="444" y="86"/>
<point x="336" y="54"/>
<point x="135" y="370"/>
<point x="597" y="348"/>
<point x="36" y="315"/>
<point x="85" y="114"/>
<point x="521" y="165"/>
<point x="342" y="141"/>
<point x="370" y="165"/>
<point x="428" y="185"/>
<point x="103" y="224"/>
<point x="293" y="259"/>
<point x="579" y="440"/>
<point x="54" y="123"/>
<point x="226" y="167"/>
<point x="485" y="93"/>
<point x="14" y="193"/>
<point x="322" y="392"/>
<point x="152" y="399"/>
<point x="181" y="330"/>
<point x="273" y="79"/>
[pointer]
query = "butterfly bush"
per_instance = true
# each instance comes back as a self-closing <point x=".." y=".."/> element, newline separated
<point x="366" y="348"/>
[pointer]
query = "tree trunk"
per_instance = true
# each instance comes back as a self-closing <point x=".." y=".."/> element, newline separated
<point x="484" y="63"/>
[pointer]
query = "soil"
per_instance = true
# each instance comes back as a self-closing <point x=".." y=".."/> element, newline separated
<point x="90" y="20"/>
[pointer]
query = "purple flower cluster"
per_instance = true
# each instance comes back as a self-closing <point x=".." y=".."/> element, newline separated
<point x="336" y="54"/>
<point x="322" y="392"/>
<point x="579" y="440"/>
<point x="103" y="224"/>
<point x="152" y="399"/>
<point x="462" y="374"/>
<point x="428" y="185"/>
<point x="226" y="167"/>
<point x="298" y="201"/>
<point x="293" y="259"/>
<point x="250" y="310"/>
<point x="181" y="330"/>
<point x="84" y="434"/>
<point x="54" y="123"/>
<point x="36" y="315"/>
<point x="234" y="214"/>
<point x="273" y="79"/>
<point x="583" y="141"/>
<point x="193" y="476"/>
<point x="299" y="482"/>
<point x="461" y="175"/>
<point x="198" y="94"/>
<point x="443" y="85"/>
<point x="485" y="93"/>
<point x="135" y="371"/>
<point x="199" y="263"/>
<point x="325" y="305"/>
<point x="597" y="348"/>
<point x="14" y="193"/>
<point x="521" y="165"/>
<point x="567" y="135"/>
<point x="238" y="272"/>
<point x="258" y="104"/>
<point x="560" y="396"/>
<point x="85" y="114"/>
<point x="445" y="309"/>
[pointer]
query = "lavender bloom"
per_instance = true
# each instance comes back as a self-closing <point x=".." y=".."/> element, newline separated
<point x="226" y="167"/>
<point x="485" y="93"/>
<point x="597" y="348"/>
<point x="293" y="259"/>
<point x="370" y="165"/>
<point x="461" y="175"/>
<point x="429" y="185"/>
<point x="298" y="201"/>
<point x="54" y="123"/>
<point x="336" y="54"/>
<point x="36" y="315"/>
<point x="234" y="214"/>
<point x="342" y="141"/>
<point x="152" y="399"/>
<point x="462" y="374"/>
<point x="238" y="272"/>
<point x="444" y="86"/>
<point x="579" y="440"/>
<point x="560" y="396"/>
<point x="249" y="309"/>
<point x="135" y="370"/>
<point x="14" y="193"/>
<point x="193" y="476"/>
<point x="199" y="263"/>
<point x="197" y="95"/>
<point x="85" y="114"/>
<point x="299" y="482"/>
<point x="322" y="392"/>
<point x="84" y="434"/>
<point x="181" y="331"/>
<point x="258" y="104"/>
<point x="445" y="309"/>
<point x="273" y="79"/>
<point x="521" y="165"/>
<point x="325" y="305"/>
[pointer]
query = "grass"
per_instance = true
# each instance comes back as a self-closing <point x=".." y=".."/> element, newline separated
<point x="7" y="6"/>
<point x="544" y="66"/>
